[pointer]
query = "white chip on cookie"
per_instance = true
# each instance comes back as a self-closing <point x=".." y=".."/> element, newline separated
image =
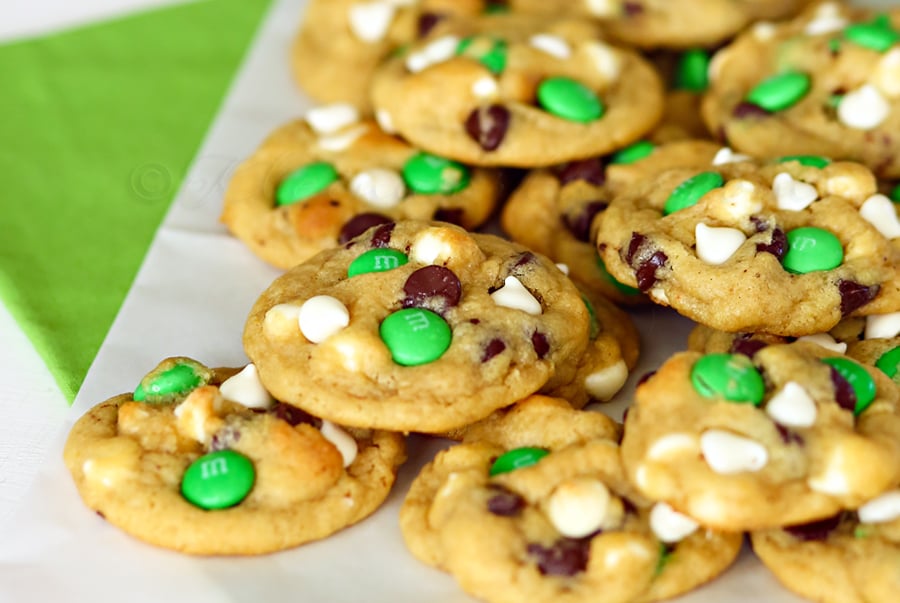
<point x="513" y="294"/>
<point x="728" y="453"/>
<point x="322" y="316"/>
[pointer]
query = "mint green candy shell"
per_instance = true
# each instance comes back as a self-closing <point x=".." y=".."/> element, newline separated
<point x="859" y="379"/>
<point x="889" y="362"/>
<point x="429" y="174"/>
<point x="415" y="336"/>
<point x="810" y="249"/>
<point x="218" y="480"/>
<point x="877" y="35"/>
<point x="304" y="182"/>
<point x="633" y="153"/>
<point x="729" y="376"/>
<point x="376" y="260"/>
<point x="780" y="91"/>
<point x="494" y="59"/>
<point x="621" y="287"/>
<point x="692" y="71"/>
<point x="518" y="458"/>
<point x="569" y="99"/>
<point x="689" y="192"/>
<point x="895" y="194"/>
<point x="816" y="161"/>
<point x="180" y="379"/>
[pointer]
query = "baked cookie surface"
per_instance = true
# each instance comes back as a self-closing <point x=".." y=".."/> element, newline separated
<point x="793" y="434"/>
<point x="827" y="82"/>
<point x="316" y="183"/>
<point x="204" y="462"/>
<point x="783" y="247"/>
<point x="535" y="506"/>
<point x="420" y="327"/>
<point x="518" y="91"/>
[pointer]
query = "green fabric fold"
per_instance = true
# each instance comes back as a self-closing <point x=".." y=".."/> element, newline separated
<point x="97" y="128"/>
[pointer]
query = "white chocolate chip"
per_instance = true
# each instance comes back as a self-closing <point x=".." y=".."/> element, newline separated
<point x="728" y="453"/>
<point x="882" y="326"/>
<point x="715" y="245"/>
<point x="564" y="268"/>
<point x="604" y="8"/>
<point x="886" y="75"/>
<point x="864" y="108"/>
<point x="669" y="525"/>
<point x="513" y="294"/>
<point x="793" y="195"/>
<point x="322" y="316"/>
<point x="343" y="140"/>
<point x="196" y="416"/>
<point x="879" y="211"/>
<point x="553" y="45"/>
<point x="826" y="19"/>
<point x="385" y="121"/>
<point x="579" y="507"/>
<point x="673" y="444"/>
<point x="342" y="440"/>
<point x="434" y="52"/>
<point x="763" y="31"/>
<point x="328" y="119"/>
<point x="715" y="65"/>
<point x="881" y="509"/>
<point x="369" y="21"/>
<point x="834" y="479"/>
<point x="792" y="406"/>
<point x="379" y="187"/>
<point x="726" y="155"/>
<point x="826" y="341"/>
<point x="739" y="200"/>
<point x="246" y="388"/>
<point x="281" y="320"/>
<point x="658" y="294"/>
<point x="605" y="60"/>
<point x="604" y="384"/>
<point x="485" y="87"/>
<point x="430" y="248"/>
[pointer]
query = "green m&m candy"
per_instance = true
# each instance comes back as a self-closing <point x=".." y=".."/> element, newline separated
<point x="692" y="71"/>
<point x="569" y="99"/>
<point x="810" y="249"/>
<point x="377" y="260"/>
<point x="689" y="192"/>
<point x="878" y="35"/>
<point x="432" y="175"/>
<point x="816" y="161"/>
<point x="633" y="153"/>
<point x="490" y="52"/>
<point x="622" y="287"/>
<point x="594" y="328"/>
<point x="729" y="376"/>
<point x="518" y="458"/>
<point x="780" y="91"/>
<point x="889" y="362"/>
<point x="218" y="480"/>
<point x="415" y="336"/>
<point x="173" y="379"/>
<point x="895" y="194"/>
<point x="305" y="182"/>
<point x="859" y="379"/>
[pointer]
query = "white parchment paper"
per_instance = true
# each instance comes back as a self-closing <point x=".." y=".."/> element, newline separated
<point x="191" y="298"/>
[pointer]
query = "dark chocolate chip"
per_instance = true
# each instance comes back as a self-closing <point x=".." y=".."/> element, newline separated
<point x="291" y="414"/>
<point x="426" y="23"/>
<point x="844" y="394"/>
<point x="632" y="9"/>
<point x="225" y="438"/>
<point x="777" y="246"/>
<point x="745" y="109"/>
<point x="645" y="377"/>
<point x="488" y="125"/>
<point x="566" y="557"/>
<point x="540" y="343"/>
<point x="788" y="436"/>
<point x="453" y="215"/>
<point x="590" y="170"/>
<point x="760" y="224"/>
<point x="494" y="347"/>
<point x="637" y="241"/>
<point x="645" y="273"/>
<point x="524" y="258"/>
<point x="855" y="296"/>
<point x="579" y="223"/>
<point x="505" y="503"/>
<point x="382" y="235"/>
<point x="359" y="224"/>
<point x="433" y="287"/>
<point x="815" y="530"/>
<point x="746" y="345"/>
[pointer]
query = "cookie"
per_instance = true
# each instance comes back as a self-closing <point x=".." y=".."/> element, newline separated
<point x="670" y="23"/>
<point x="827" y="82"/>
<point x="528" y="508"/>
<point x="783" y="247"/>
<point x="793" y="434"/>
<point x="341" y="42"/>
<point x="316" y="183"/>
<point x="518" y="91"/>
<point x="553" y="209"/>
<point x="686" y="78"/>
<point x="853" y="557"/>
<point x="420" y="327"/>
<point x="205" y="462"/>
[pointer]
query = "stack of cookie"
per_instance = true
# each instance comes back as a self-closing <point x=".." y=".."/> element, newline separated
<point x="640" y="154"/>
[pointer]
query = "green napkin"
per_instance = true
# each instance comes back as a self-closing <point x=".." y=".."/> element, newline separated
<point x="98" y="126"/>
